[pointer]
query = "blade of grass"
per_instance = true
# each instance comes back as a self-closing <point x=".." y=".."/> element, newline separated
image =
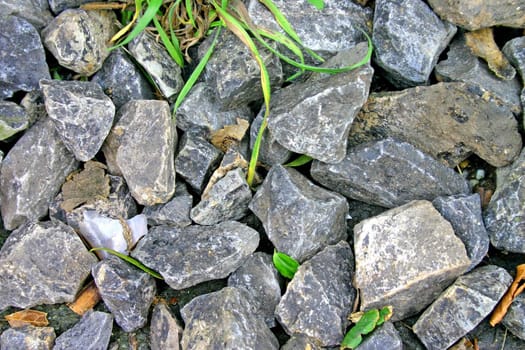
<point x="172" y="47"/>
<point x="170" y="19"/>
<point x="189" y="11"/>
<point x="127" y="27"/>
<point x="130" y="260"/>
<point x="301" y="160"/>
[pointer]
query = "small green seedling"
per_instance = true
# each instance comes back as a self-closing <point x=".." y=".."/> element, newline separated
<point x="301" y="160"/>
<point x="131" y="260"/>
<point x="365" y="322"/>
<point x="286" y="265"/>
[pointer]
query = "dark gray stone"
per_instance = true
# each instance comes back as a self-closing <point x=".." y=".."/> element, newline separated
<point x="28" y="338"/>
<point x="122" y="80"/>
<point x="140" y="147"/>
<point x="79" y="39"/>
<point x="495" y="338"/>
<point x="224" y="320"/>
<point x="196" y="160"/>
<point x="42" y="263"/>
<point x="408" y="39"/>
<point x="462" y="306"/>
<point x="227" y="199"/>
<point x="514" y="50"/>
<point x="92" y="332"/>
<point x="410" y="340"/>
<point x="505" y="214"/>
<point x="406" y="251"/>
<point x="126" y="291"/>
<point x="464" y="214"/>
<point x="13" y="119"/>
<point x="300" y="342"/>
<point x="155" y="60"/>
<point x="23" y="60"/>
<point x="270" y="151"/>
<point x="299" y="217"/>
<point x="58" y="6"/>
<point x="449" y="121"/>
<point x="35" y="12"/>
<point x="389" y="173"/>
<point x="176" y="212"/>
<point x="261" y="281"/>
<point x="384" y="337"/>
<point x="318" y="300"/>
<point x="514" y="320"/>
<point x="165" y="330"/>
<point x="82" y="114"/>
<point x="194" y="254"/>
<point x="32" y="173"/>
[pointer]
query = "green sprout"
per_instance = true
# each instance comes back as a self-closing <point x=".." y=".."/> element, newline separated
<point x="285" y="264"/>
<point x="365" y="323"/>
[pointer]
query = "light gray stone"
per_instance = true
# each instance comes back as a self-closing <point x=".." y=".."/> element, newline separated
<point x="462" y="306"/>
<point x="28" y="338"/>
<point x="140" y="147"/>
<point x="32" y="173"/>
<point x="13" y="119"/>
<point x="42" y="263"/>
<point x="318" y="300"/>
<point x="58" y="6"/>
<point x="299" y="217"/>
<point x="224" y="320"/>
<point x="301" y="342"/>
<point x="92" y="332"/>
<point x="408" y="39"/>
<point x="194" y="254"/>
<point x="384" y="337"/>
<point x="175" y="212"/>
<point x="270" y="151"/>
<point x="126" y="291"/>
<point x="389" y="173"/>
<point x="165" y="330"/>
<point x="514" y="320"/>
<point x="35" y="12"/>
<point x="406" y="251"/>
<point x="514" y="50"/>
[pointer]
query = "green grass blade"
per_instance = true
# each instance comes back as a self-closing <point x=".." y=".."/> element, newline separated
<point x="170" y="20"/>
<point x="318" y="4"/>
<point x="130" y="260"/>
<point x="127" y="27"/>
<point x="301" y="160"/>
<point x="285" y="264"/>
<point x="172" y="47"/>
<point x="189" y="11"/>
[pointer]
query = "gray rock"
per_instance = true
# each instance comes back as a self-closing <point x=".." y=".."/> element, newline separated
<point x="324" y="292"/>
<point x="224" y="320"/>
<point x="300" y="342"/>
<point x="477" y="14"/>
<point x="32" y="173"/>
<point x="408" y="39"/>
<point x="42" y="263"/>
<point x="58" y="6"/>
<point x="92" y="332"/>
<point x="514" y="320"/>
<point x="194" y="254"/>
<point x="447" y="120"/>
<point x="33" y="103"/>
<point x="462" y="65"/>
<point x="464" y="214"/>
<point x="165" y="330"/>
<point x="270" y="151"/>
<point x="79" y="39"/>
<point x="13" y="119"/>
<point x="155" y="60"/>
<point x="315" y="117"/>
<point x="228" y="199"/>
<point x="140" y="147"/>
<point x="384" y="337"/>
<point x="462" y="306"/>
<point x="495" y="338"/>
<point x="299" y="217"/>
<point x="406" y="251"/>
<point x="389" y="173"/>
<point x="196" y="160"/>
<point x="514" y="50"/>
<point x="35" y="12"/>
<point x="175" y="212"/>
<point x="126" y="291"/>
<point x="82" y="114"/>
<point x="28" y="338"/>
<point x="23" y="62"/>
<point x="122" y="80"/>
<point x="259" y="278"/>
<point x="505" y="214"/>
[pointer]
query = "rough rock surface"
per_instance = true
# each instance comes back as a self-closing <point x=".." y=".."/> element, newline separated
<point x="92" y="332"/>
<point x="462" y="306"/>
<point x="42" y="263"/>
<point x="388" y="173"/>
<point x="190" y="255"/>
<point x="447" y="120"/>
<point x="408" y="39"/>
<point x="324" y="292"/>
<point x="384" y="337"/>
<point x="299" y="217"/>
<point x="126" y="291"/>
<point x="300" y="342"/>
<point x="176" y="212"/>
<point x="165" y="329"/>
<point x="514" y="50"/>
<point x="406" y="251"/>
<point x="514" y="320"/>
<point x="271" y="152"/>
<point x="32" y="173"/>
<point x="28" y="337"/>
<point x="35" y="12"/>
<point x="13" y="119"/>
<point x="140" y="146"/>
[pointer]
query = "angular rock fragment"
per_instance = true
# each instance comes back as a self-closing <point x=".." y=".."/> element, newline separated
<point x="194" y="254"/>
<point x="126" y="291"/>
<point x="42" y="263"/>
<point x="495" y="338"/>
<point x="23" y="60"/>
<point x="175" y="212"/>
<point x="165" y="330"/>
<point x="299" y="217"/>
<point x="271" y="152"/>
<point x="140" y="146"/>
<point x="514" y="50"/>
<point x="32" y="173"/>
<point x="447" y="120"/>
<point x="406" y="251"/>
<point x="28" y="337"/>
<point x="92" y="332"/>
<point x="384" y="337"/>
<point x="462" y="306"/>
<point x="408" y="39"/>
<point x="389" y="173"/>
<point x="514" y="320"/>
<point x="13" y="119"/>
<point x="79" y="39"/>
<point x="82" y="115"/>
<point x="35" y="12"/>
<point x="324" y="292"/>
<point x="224" y="320"/>
<point x="300" y="342"/>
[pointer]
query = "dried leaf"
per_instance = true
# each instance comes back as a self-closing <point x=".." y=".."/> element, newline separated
<point x="86" y="186"/>
<point x="514" y="290"/>
<point x="230" y="161"/>
<point x="229" y="135"/>
<point x="27" y="317"/>
<point x="86" y="300"/>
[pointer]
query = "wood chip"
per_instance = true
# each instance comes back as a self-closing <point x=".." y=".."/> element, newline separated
<point x="515" y="289"/>
<point x="27" y="317"/>
<point x="86" y="300"/>
<point x="230" y="135"/>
